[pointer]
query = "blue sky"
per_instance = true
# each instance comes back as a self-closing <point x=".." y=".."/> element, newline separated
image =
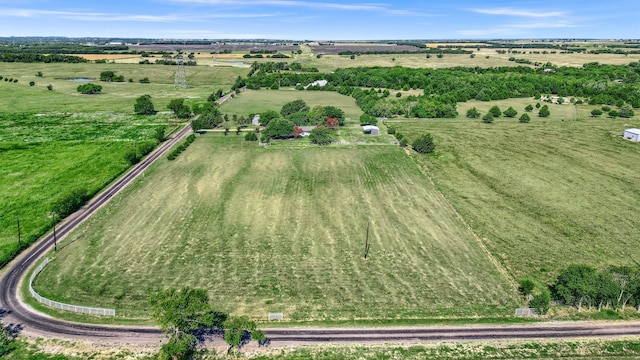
<point x="322" y="20"/>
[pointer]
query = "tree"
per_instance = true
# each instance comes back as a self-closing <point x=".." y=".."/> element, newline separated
<point x="239" y="329"/>
<point x="473" y="113"/>
<point x="537" y="105"/>
<point x="49" y="87"/>
<point x="544" y="111"/>
<point x="144" y="106"/>
<point x="279" y="128"/>
<point x="510" y="112"/>
<point x="424" y="144"/>
<point x="495" y="111"/>
<point x="321" y="135"/>
<point x="541" y="301"/>
<point x="8" y="336"/>
<point x="294" y="107"/>
<point x="180" y="313"/>
<point x="596" y="112"/>
<point x="89" y="89"/>
<point x="576" y="285"/>
<point x="39" y="74"/>
<point x="334" y="112"/>
<point x="159" y="133"/>
<point x="626" y="112"/>
<point x="267" y="116"/>
<point x="526" y="286"/>
<point x="488" y="118"/>
<point x="366" y="119"/>
<point x="528" y="108"/>
<point x="613" y="114"/>
<point x="524" y="118"/>
<point x="179" y="108"/>
<point x="32" y="83"/>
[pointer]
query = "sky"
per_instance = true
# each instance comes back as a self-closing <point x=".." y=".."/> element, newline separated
<point x="322" y="20"/>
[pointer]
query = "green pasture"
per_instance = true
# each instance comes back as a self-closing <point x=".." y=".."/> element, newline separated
<point x="43" y="158"/>
<point x="258" y="101"/>
<point x="283" y="230"/>
<point x="115" y="96"/>
<point x="542" y="195"/>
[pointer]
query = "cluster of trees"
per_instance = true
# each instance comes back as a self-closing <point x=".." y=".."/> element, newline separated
<point x="186" y="314"/>
<point x="208" y="116"/>
<point x="613" y="287"/>
<point x="40" y="58"/>
<point x="624" y="112"/>
<point x="274" y="67"/>
<point x="444" y="88"/>
<point x="495" y="112"/>
<point x="179" y="108"/>
<point x="89" y="89"/>
<point x="110" y="76"/>
<point x="70" y="202"/>
<point x="140" y="149"/>
<point x="295" y="113"/>
<point x="417" y="51"/>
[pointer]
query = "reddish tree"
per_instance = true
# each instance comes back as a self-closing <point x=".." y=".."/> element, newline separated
<point x="332" y="123"/>
<point x="297" y="131"/>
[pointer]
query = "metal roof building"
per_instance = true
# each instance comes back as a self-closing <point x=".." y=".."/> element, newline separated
<point x="632" y="134"/>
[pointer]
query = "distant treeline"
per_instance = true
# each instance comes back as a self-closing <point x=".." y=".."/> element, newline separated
<point x="392" y="52"/>
<point x="40" y="58"/>
<point x="60" y="48"/>
<point x="617" y="85"/>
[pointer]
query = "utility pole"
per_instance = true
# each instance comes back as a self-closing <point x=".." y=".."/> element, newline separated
<point x="366" y="243"/>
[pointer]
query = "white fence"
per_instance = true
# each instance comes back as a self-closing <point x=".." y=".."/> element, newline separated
<point x="59" y="305"/>
<point x="526" y="312"/>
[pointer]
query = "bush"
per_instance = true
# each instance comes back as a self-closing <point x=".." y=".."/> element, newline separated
<point x="510" y="112"/>
<point x="525" y="118"/>
<point x="526" y="286"/>
<point x="251" y="136"/>
<point x="71" y="202"/>
<point x="528" y="108"/>
<point x="89" y="89"/>
<point x="321" y="135"/>
<point x="495" y="111"/>
<point x="424" y="144"/>
<point x="403" y="142"/>
<point x="626" y="112"/>
<point x="596" y="112"/>
<point x="544" y="111"/>
<point x="32" y="83"/>
<point x="49" y="87"/>
<point x="488" y="118"/>
<point x="391" y="130"/>
<point x="473" y="113"/>
<point x="182" y="147"/>
<point x="145" y="80"/>
<point x="541" y="302"/>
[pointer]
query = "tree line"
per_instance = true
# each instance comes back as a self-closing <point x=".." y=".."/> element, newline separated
<point x="444" y="88"/>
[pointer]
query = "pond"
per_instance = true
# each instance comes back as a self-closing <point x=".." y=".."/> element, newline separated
<point x="80" y="79"/>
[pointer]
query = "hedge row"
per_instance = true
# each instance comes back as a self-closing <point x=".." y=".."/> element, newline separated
<point x="182" y="147"/>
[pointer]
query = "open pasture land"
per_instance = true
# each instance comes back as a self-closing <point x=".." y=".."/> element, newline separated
<point x="253" y="102"/>
<point x="283" y="230"/>
<point x="115" y="96"/>
<point x="542" y="195"/>
<point x="44" y="158"/>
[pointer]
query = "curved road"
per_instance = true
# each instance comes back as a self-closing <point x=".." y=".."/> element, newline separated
<point x="14" y="311"/>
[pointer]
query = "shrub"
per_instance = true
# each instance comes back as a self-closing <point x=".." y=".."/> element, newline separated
<point x="182" y="147"/>
<point x="424" y="144"/>
<point x="495" y="111"/>
<point x="626" y="112"/>
<point x="510" y="112"/>
<point x="473" y="113"/>
<point x="528" y="108"/>
<point x="391" y="130"/>
<point x="251" y="136"/>
<point x="541" y="302"/>
<point x="32" y="83"/>
<point x="321" y="135"/>
<point x="596" y="112"/>
<point x="71" y="202"/>
<point x="488" y="118"/>
<point x="403" y="142"/>
<point x="544" y="111"/>
<point x="89" y="89"/>
<point x="526" y="286"/>
<point x="524" y="118"/>
<point x="49" y="87"/>
<point x="606" y="108"/>
<point x="145" y="80"/>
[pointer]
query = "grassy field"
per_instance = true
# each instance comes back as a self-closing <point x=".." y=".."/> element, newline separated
<point x="43" y="158"/>
<point x="252" y="102"/>
<point x="283" y="230"/>
<point x="118" y="97"/>
<point x="541" y="195"/>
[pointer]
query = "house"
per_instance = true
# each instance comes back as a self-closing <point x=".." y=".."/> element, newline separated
<point x="320" y="83"/>
<point x="370" y="130"/>
<point x="306" y="130"/>
<point x="632" y="134"/>
<point x="256" y="120"/>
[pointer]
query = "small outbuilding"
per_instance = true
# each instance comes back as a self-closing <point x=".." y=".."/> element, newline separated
<point x="256" y="120"/>
<point x="632" y="134"/>
<point x="370" y="130"/>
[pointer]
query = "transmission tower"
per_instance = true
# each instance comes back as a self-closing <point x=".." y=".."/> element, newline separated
<point x="181" y="76"/>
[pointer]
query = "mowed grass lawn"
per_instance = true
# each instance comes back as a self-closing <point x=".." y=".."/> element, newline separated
<point x="115" y="96"/>
<point x="282" y="230"/>
<point x="542" y="195"/>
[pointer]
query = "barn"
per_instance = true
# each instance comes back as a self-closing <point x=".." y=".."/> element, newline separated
<point x="370" y="130"/>
<point x="632" y="134"/>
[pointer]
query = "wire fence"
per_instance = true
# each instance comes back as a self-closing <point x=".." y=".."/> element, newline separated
<point x="62" y="306"/>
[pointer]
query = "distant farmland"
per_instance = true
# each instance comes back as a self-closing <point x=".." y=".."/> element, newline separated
<point x="283" y="230"/>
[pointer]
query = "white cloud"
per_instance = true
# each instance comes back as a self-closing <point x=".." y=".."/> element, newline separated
<point x="519" y="12"/>
<point x="96" y="16"/>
